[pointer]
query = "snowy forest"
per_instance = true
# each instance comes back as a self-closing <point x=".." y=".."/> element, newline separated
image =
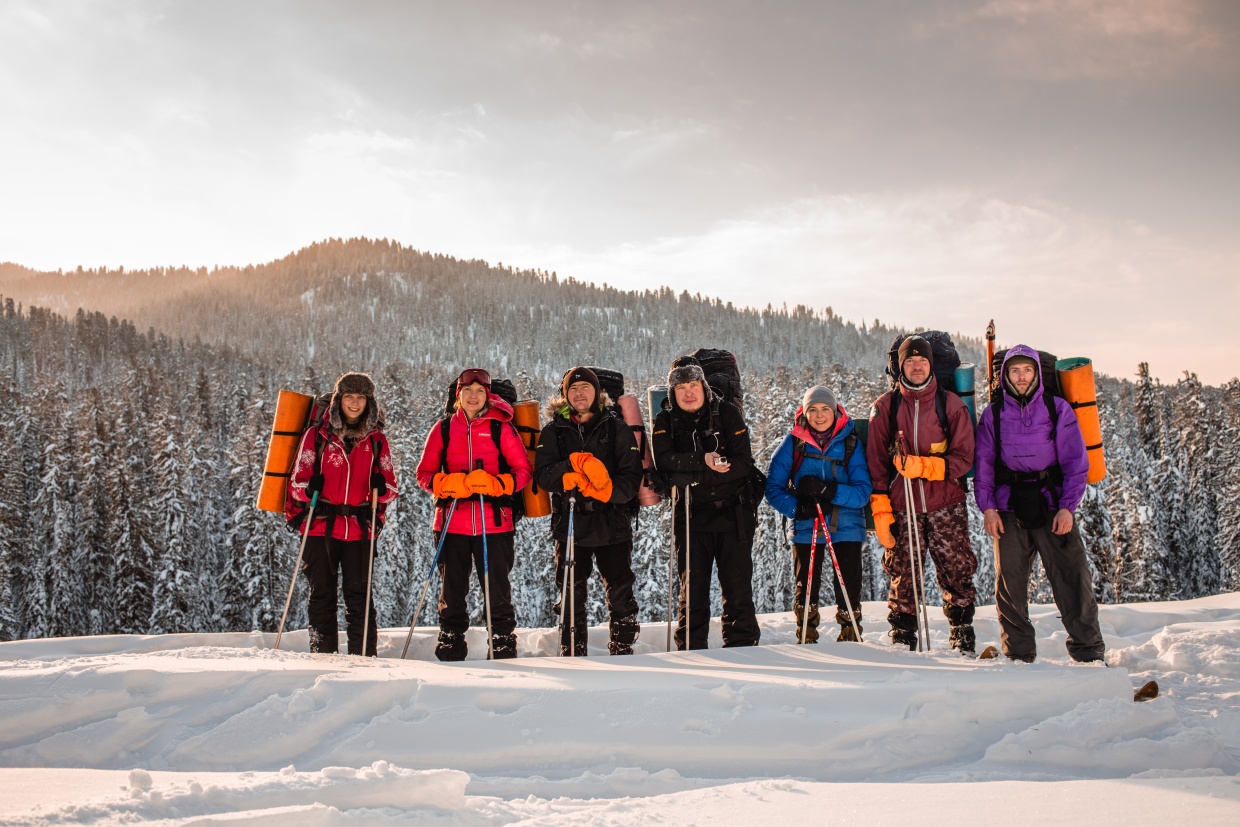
<point x="138" y="426"/>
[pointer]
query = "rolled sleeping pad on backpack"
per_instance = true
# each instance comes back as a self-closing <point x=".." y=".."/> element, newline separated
<point x="1076" y="379"/>
<point x="292" y="413"/>
<point x="525" y="417"/>
<point x="963" y="378"/>
<point x="632" y="410"/>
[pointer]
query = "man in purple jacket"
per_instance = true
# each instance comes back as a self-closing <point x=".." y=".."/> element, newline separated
<point x="1027" y="491"/>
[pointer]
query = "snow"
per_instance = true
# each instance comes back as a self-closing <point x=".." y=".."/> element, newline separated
<point x="219" y="728"/>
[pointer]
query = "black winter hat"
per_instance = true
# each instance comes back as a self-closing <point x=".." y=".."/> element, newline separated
<point x="582" y="374"/>
<point x="915" y="346"/>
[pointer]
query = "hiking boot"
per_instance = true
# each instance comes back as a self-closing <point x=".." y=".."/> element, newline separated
<point x="846" y="625"/>
<point x="503" y="646"/>
<point x="580" y="649"/>
<point x="903" y="629"/>
<point x="963" y="639"/>
<point x="451" y="646"/>
<point x="624" y="631"/>
<point x="811" y="634"/>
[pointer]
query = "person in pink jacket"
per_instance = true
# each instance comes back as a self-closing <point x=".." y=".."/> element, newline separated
<point x="342" y="458"/>
<point x="482" y="465"/>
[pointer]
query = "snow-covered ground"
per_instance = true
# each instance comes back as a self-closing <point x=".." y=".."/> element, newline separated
<point x="220" y="729"/>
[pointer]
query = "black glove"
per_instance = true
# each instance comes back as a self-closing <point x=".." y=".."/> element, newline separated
<point x="807" y="508"/>
<point x="815" y="488"/>
<point x="657" y="481"/>
<point x="314" y="486"/>
<point x="379" y="483"/>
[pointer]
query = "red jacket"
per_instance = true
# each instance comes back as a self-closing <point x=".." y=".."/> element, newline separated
<point x="923" y="434"/>
<point x="346" y="478"/>
<point x="469" y="442"/>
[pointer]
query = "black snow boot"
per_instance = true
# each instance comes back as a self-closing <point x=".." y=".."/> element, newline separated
<point x="811" y="633"/>
<point x="451" y="646"/>
<point x="579" y="651"/>
<point x="624" y="631"/>
<point x="903" y="629"/>
<point x="846" y="627"/>
<point x="503" y="646"/>
<point x="962" y="636"/>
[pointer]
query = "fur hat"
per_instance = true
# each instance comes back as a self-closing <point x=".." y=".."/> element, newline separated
<point x="582" y="374"/>
<point x="685" y="369"/>
<point x="371" y="419"/>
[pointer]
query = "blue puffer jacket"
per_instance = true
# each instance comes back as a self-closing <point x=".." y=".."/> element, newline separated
<point x="853" y="483"/>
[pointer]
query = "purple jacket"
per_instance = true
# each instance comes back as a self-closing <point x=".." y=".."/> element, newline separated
<point x="1027" y="446"/>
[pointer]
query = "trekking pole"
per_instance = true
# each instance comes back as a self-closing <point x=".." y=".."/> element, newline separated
<point x="486" y="571"/>
<point x="567" y="591"/>
<point x="443" y="535"/>
<point x="314" y="500"/>
<point x="914" y="551"/>
<point x="839" y="575"/>
<point x="671" y="571"/>
<point x="688" y="572"/>
<point x="370" y="573"/>
<point x="990" y="383"/>
<point x="809" y="578"/>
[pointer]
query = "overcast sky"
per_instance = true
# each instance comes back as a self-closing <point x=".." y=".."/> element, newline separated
<point x="1069" y="168"/>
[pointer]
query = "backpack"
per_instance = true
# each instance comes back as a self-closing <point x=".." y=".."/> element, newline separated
<point x="611" y="381"/>
<point x="722" y="374"/>
<point x="295" y="511"/>
<point x="946" y="358"/>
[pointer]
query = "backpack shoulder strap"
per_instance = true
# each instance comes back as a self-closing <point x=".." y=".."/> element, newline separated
<point x="893" y="426"/>
<point x="445" y="428"/>
<point x="1053" y="410"/>
<point x="798" y="456"/>
<point x="850" y="446"/>
<point x="940" y="408"/>
<point x="497" y="434"/>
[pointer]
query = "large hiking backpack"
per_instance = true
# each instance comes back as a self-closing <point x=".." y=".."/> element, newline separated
<point x="295" y="511"/>
<point x="611" y="381"/>
<point x="722" y="374"/>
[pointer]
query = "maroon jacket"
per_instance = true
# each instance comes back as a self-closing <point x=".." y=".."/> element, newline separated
<point x="923" y="434"/>
<point x="469" y="442"/>
<point x="346" y="477"/>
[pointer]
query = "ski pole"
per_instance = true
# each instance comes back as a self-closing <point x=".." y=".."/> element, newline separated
<point x="314" y="500"/>
<point x="809" y="578"/>
<point x="839" y="575"/>
<point x="688" y="572"/>
<point x="671" y="571"/>
<point x="568" y="593"/>
<point x="370" y="573"/>
<point x="443" y="535"/>
<point x="914" y="551"/>
<point x="486" y="571"/>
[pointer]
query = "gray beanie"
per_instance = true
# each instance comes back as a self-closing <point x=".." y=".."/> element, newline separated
<point x="818" y="394"/>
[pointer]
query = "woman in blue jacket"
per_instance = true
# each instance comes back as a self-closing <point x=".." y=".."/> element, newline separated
<point x="821" y="464"/>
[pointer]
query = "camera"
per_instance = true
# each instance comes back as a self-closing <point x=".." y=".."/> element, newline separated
<point x="721" y="460"/>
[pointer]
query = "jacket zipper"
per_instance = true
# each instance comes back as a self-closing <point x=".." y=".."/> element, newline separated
<point x="348" y="474"/>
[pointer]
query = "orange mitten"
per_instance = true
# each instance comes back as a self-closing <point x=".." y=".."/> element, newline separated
<point x="573" y="480"/>
<point x="449" y="485"/>
<point x="481" y="482"/>
<point x="507" y="485"/>
<point x="596" y="472"/>
<point x="578" y="458"/>
<point x="880" y="504"/>
<point x="914" y="467"/>
<point x="601" y="493"/>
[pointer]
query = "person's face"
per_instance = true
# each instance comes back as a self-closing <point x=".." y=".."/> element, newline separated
<point x="472" y="397"/>
<point x="353" y="405"/>
<point x="690" y="396"/>
<point x="820" y="416"/>
<point x="581" y="397"/>
<point x="1022" y="375"/>
<point x="916" y="369"/>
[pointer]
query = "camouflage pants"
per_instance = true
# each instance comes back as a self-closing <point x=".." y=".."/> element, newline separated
<point x="945" y="535"/>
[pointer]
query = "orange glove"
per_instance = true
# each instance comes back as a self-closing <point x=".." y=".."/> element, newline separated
<point x="481" y="482"/>
<point x="601" y="493"/>
<point x="880" y="504"/>
<point x="573" y="480"/>
<point x="449" y="485"/>
<point x="596" y="472"/>
<point x="914" y="467"/>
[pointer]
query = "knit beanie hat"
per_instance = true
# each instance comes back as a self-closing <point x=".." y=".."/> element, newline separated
<point x="915" y="346"/>
<point x="582" y="374"/>
<point x="818" y="394"/>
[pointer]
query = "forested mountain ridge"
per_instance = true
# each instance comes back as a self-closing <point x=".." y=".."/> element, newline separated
<point x="134" y="457"/>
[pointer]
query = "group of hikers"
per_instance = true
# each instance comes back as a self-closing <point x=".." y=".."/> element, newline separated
<point x="908" y="472"/>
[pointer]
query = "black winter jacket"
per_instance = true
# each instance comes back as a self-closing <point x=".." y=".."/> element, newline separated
<point x="681" y="441"/>
<point x="608" y="438"/>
